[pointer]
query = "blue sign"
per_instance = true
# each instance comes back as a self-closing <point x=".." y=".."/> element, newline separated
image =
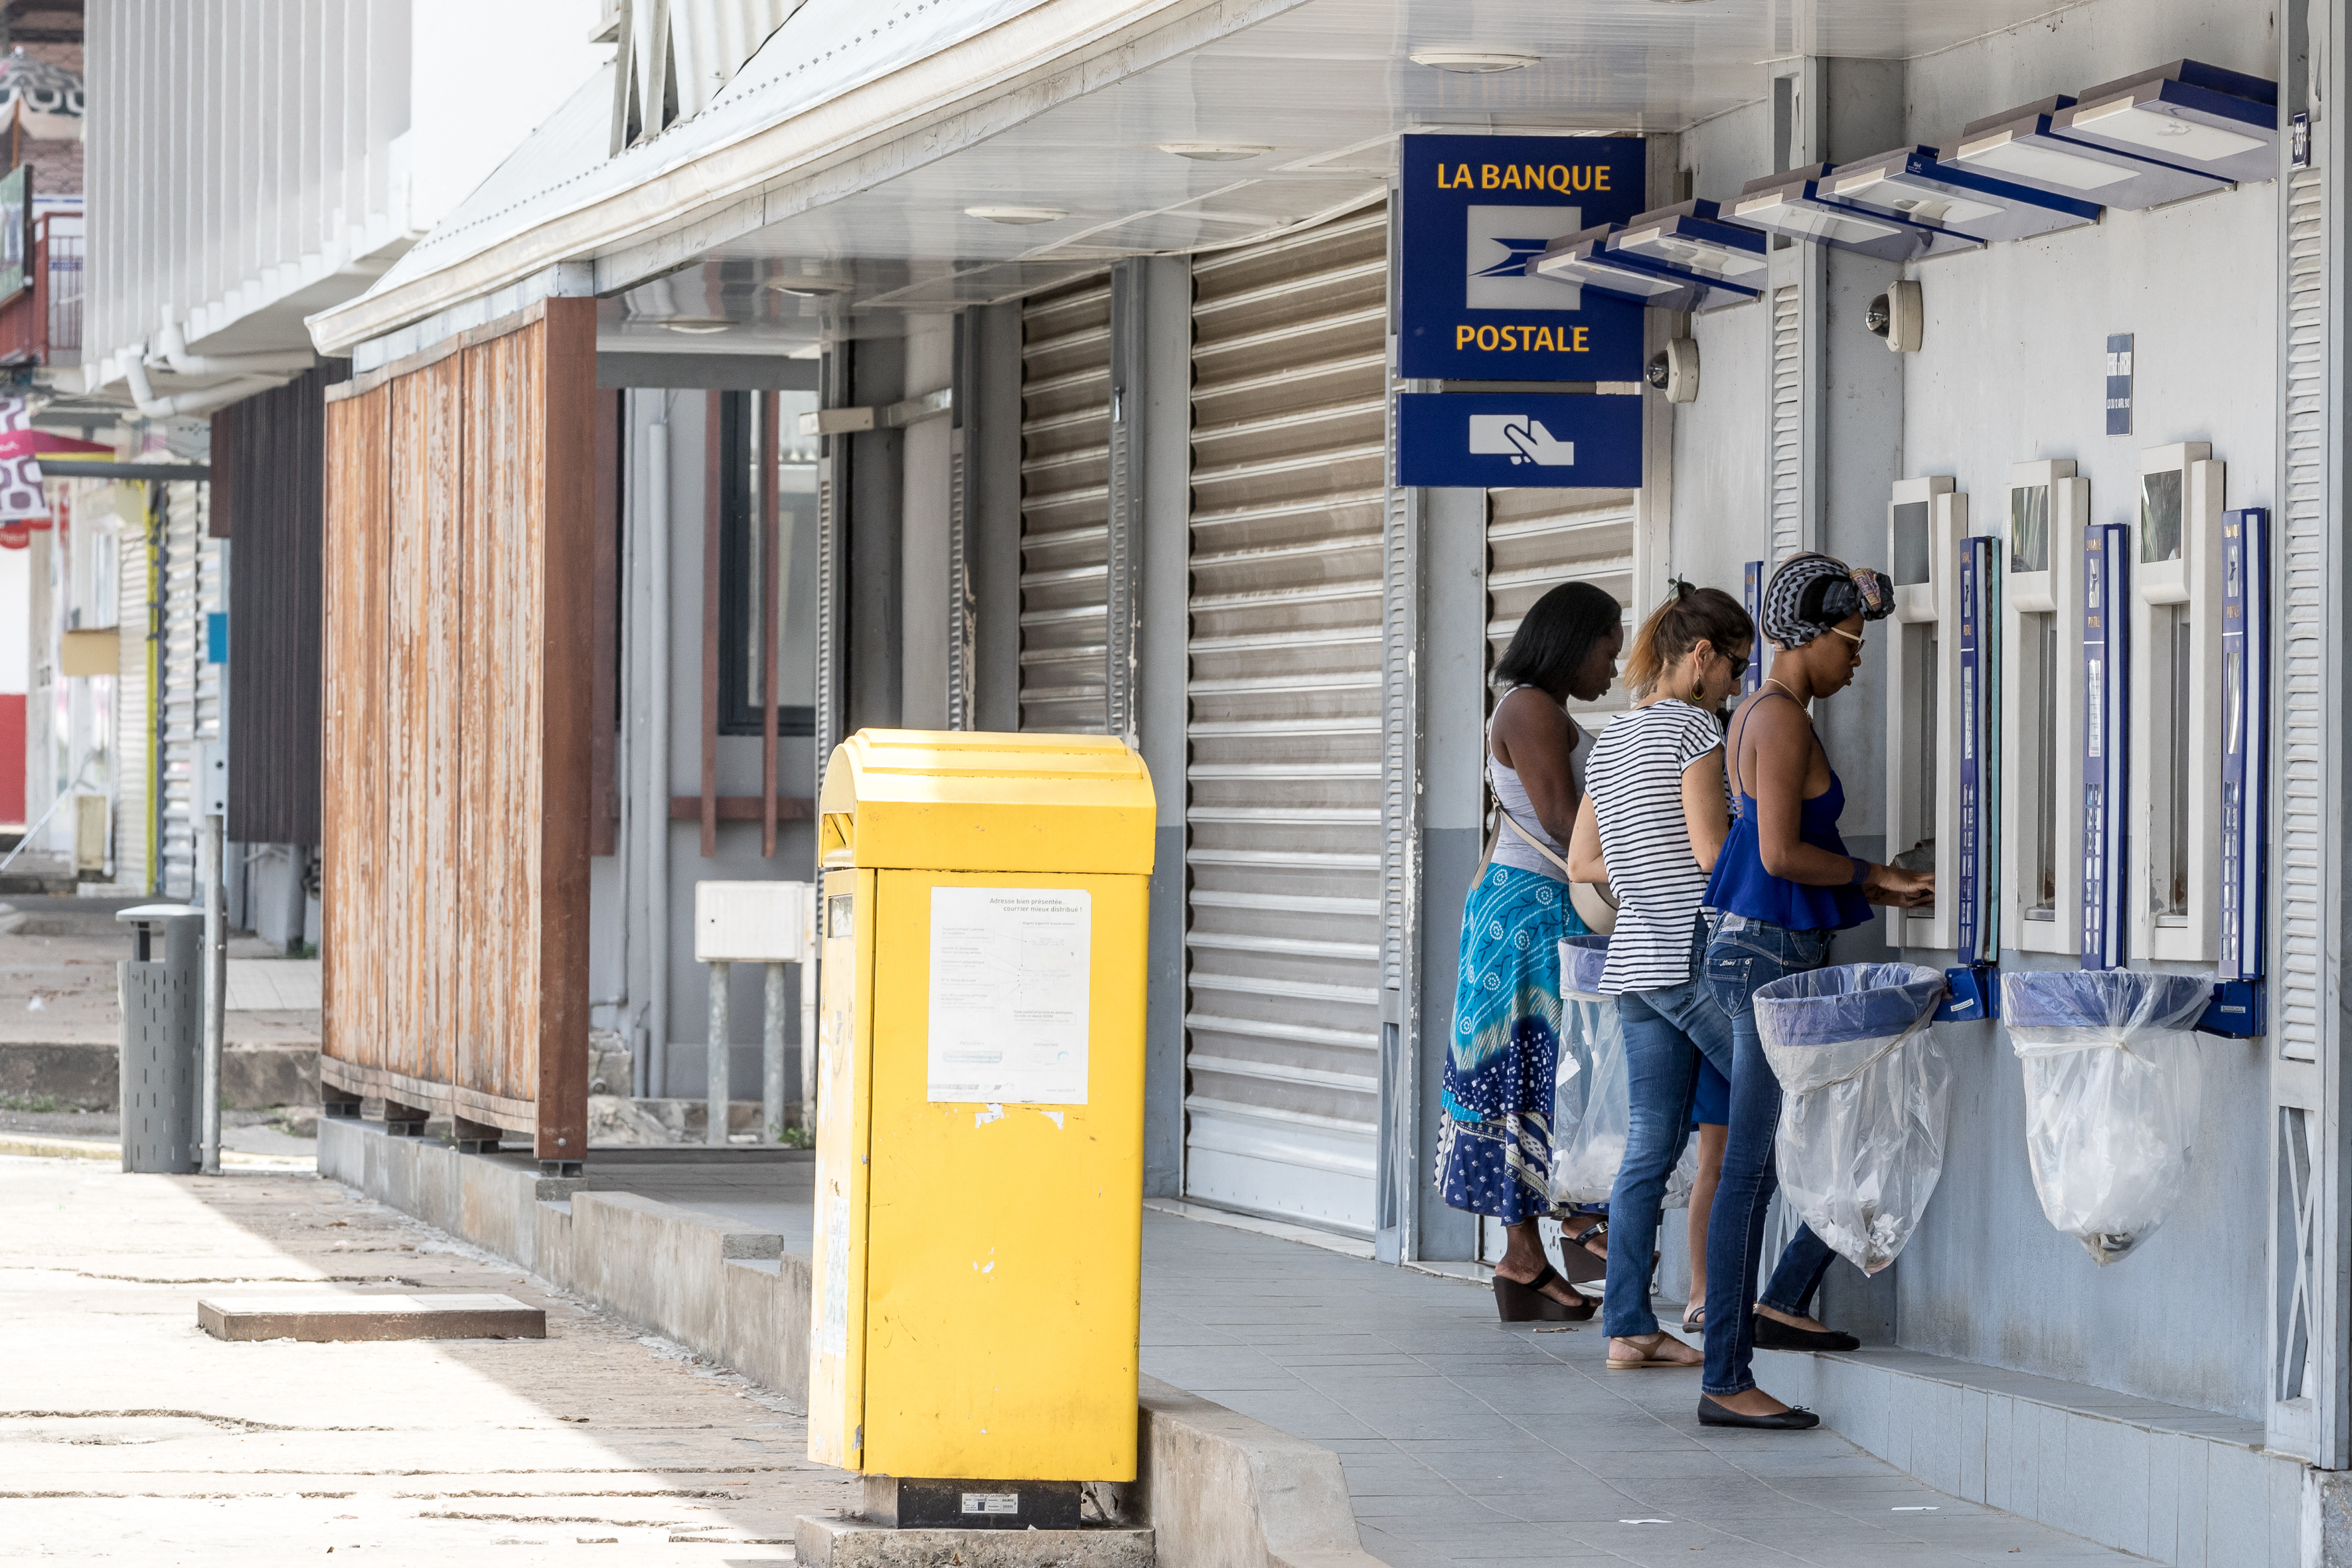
<point x="216" y="637"/>
<point x="1484" y="440"/>
<point x="1978" y="928"/>
<point x="2106" y="717"/>
<point x="1474" y="211"/>
<point x="2246" y="733"/>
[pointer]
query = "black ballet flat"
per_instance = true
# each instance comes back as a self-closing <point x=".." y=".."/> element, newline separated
<point x="1526" y="1303"/>
<point x="1772" y="1334"/>
<point x="1793" y="1419"/>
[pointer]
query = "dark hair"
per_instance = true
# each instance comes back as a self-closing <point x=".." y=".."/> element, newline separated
<point x="1690" y="616"/>
<point x="1556" y="637"/>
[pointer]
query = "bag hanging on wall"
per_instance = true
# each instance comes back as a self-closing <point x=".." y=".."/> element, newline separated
<point x="1868" y="1097"/>
<point x="2112" y="1092"/>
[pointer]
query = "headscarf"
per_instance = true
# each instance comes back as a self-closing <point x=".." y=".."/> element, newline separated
<point x="1810" y="594"/>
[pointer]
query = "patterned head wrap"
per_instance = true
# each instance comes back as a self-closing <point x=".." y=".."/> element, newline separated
<point x="1810" y="594"/>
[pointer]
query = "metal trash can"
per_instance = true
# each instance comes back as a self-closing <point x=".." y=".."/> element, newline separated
<point x="162" y="993"/>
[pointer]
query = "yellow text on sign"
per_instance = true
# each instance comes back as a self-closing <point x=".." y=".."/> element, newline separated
<point x="1566" y="179"/>
<point x="1522" y="339"/>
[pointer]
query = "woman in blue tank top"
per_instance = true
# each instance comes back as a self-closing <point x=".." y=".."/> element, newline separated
<point x="1782" y="884"/>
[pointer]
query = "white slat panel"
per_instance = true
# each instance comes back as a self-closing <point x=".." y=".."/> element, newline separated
<point x="1065" y="505"/>
<point x="133" y="732"/>
<point x="1787" y="422"/>
<point x="1539" y="539"/>
<point x="2304" y="784"/>
<point x="1285" y="821"/>
<point x="190" y="685"/>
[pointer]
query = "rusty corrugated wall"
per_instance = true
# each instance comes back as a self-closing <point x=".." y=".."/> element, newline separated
<point x="269" y="495"/>
<point x="459" y="575"/>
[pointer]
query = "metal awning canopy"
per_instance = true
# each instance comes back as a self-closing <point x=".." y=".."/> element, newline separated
<point x="841" y="161"/>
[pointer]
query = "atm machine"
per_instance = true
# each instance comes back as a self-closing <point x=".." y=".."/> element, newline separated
<point x="2040" y="832"/>
<point x="2175" y="683"/>
<point x="1944" y="780"/>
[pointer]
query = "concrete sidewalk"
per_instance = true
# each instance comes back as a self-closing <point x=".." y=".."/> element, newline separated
<point x="1464" y="1441"/>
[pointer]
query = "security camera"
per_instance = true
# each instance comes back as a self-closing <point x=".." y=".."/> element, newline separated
<point x="1895" y="316"/>
<point x="1673" y="370"/>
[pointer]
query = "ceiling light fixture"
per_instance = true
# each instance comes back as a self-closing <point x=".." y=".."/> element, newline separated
<point x="697" y="323"/>
<point x="1017" y="214"/>
<point x="1214" y="152"/>
<point x="1471" y="62"/>
<point x="811" y="288"/>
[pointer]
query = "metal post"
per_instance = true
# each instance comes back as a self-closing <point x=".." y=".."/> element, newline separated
<point x="208" y="1097"/>
<point x="715" y="1052"/>
<point x="772" y="1059"/>
<point x="808" y="967"/>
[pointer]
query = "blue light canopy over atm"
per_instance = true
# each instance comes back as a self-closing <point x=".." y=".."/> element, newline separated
<point x="2191" y="115"/>
<point x="1795" y="204"/>
<point x="1910" y="182"/>
<point x="2022" y="145"/>
<point x="1675" y="259"/>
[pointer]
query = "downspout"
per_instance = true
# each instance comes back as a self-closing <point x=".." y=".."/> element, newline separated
<point x="190" y="404"/>
<point x="658" y="758"/>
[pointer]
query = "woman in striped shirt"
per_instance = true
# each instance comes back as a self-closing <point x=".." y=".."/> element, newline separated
<point x="1652" y="819"/>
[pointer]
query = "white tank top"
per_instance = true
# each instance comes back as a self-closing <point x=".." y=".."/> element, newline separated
<point x="1512" y="796"/>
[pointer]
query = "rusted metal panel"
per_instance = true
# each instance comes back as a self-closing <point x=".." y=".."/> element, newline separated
<point x="460" y="589"/>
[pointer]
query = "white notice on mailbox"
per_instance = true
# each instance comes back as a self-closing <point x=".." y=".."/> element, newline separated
<point x="1009" y="987"/>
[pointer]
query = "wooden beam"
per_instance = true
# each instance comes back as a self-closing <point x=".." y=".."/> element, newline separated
<point x="604" y="788"/>
<point x="743" y="807"/>
<point x="714" y="413"/>
<point x="565" y="426"/>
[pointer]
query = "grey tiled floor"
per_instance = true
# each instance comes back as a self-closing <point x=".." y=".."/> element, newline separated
<point x="1466" y="1442"/>
<point x="1469" y="1442"/>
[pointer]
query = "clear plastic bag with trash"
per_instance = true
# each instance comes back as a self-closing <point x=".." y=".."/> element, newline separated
<point x="2113" y="1091"/>
<point x="1867" y="1097"/>
<point x="1592" y="1100"/>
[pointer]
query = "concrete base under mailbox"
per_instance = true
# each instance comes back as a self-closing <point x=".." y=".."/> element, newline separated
<point x="854" y="1543"/>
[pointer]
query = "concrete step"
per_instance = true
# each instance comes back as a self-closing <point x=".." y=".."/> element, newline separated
<point x="320" y="1319"/>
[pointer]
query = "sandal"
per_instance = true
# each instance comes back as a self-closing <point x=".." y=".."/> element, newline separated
<point x="1577" y="1258"/>
<point x="1528" y="1303"/>
<point x="1657" y="1341"/>
<point x="1694" y="1321"/>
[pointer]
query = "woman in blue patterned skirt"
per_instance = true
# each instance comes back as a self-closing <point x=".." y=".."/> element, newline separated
<point x="1494" y="1144"/>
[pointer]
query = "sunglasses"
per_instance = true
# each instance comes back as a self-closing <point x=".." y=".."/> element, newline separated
<point x="1739" y="666"/>
<point x="1849" y="636"/>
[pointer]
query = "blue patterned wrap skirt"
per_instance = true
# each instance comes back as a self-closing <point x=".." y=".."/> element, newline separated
<point x="1493" y="1147"/>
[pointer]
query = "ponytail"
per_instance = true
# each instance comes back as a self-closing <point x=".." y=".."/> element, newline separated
<point x="1689" y="617"/>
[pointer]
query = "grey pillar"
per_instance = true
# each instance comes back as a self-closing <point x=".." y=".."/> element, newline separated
<point x="714" y="1056"/>
<point x="1151" y="364"/>
<point x="874" y="628"/>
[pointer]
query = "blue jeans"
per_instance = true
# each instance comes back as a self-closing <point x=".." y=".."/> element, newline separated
<point x="1667" y="1031"/>
<point x="1746" y="954"/>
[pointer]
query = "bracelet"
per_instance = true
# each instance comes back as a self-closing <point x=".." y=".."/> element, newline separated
<point x="1861" y="871"/>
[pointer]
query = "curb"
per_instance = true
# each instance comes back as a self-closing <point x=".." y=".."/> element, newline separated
<point x="1222" y="1491"/>
<point x="34" y="1145"/>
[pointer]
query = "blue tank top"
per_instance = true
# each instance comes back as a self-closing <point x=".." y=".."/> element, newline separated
<point x="1741" y="886"/>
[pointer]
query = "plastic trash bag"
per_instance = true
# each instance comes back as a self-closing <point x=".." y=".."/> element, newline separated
<point x="1591" y="1105"/>
<point x="1867" y="1097"/>
<point x="2113" y="1086"/>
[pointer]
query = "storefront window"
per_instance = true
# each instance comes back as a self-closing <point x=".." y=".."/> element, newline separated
<point x="749" y="553"/>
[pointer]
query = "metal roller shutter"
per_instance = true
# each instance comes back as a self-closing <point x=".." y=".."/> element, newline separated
<point x="1065" y="504"/>
<point x="134" y="738"/>
<point x="1282" y="853"/>
<point x="191" y="684"/>
<point x="1787" y="422"/>
<point x="1539" y="539"/>
<point x="2304" y="732"/>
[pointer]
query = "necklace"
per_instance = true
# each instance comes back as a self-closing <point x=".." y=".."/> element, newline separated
<point x="1776" y="680"/>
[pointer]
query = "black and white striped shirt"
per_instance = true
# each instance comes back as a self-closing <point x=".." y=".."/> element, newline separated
<point x="1636" y="780"/>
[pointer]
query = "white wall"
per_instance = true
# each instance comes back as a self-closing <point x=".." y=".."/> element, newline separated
<point x="16" y="630"/>
<point x="2010" y="371"/>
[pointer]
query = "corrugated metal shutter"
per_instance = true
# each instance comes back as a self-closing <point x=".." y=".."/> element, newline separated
<point x="1539" y="539"/>
<point x="1065" y="504"/>
<point x="2305" y="734"/>
<point x="134" y="726"/>
<point x="190" y="685"/>
<point x="1283" y="846"/>
<point x="1787" y="422"/>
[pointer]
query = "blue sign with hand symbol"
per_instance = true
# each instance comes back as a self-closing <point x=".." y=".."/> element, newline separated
<point x="1490" y="440"/>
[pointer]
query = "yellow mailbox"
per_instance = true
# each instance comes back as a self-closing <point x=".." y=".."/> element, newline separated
<point x="980" y="1110"/>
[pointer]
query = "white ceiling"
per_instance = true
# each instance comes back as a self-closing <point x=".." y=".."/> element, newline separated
<point x="1327" y="84"/>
